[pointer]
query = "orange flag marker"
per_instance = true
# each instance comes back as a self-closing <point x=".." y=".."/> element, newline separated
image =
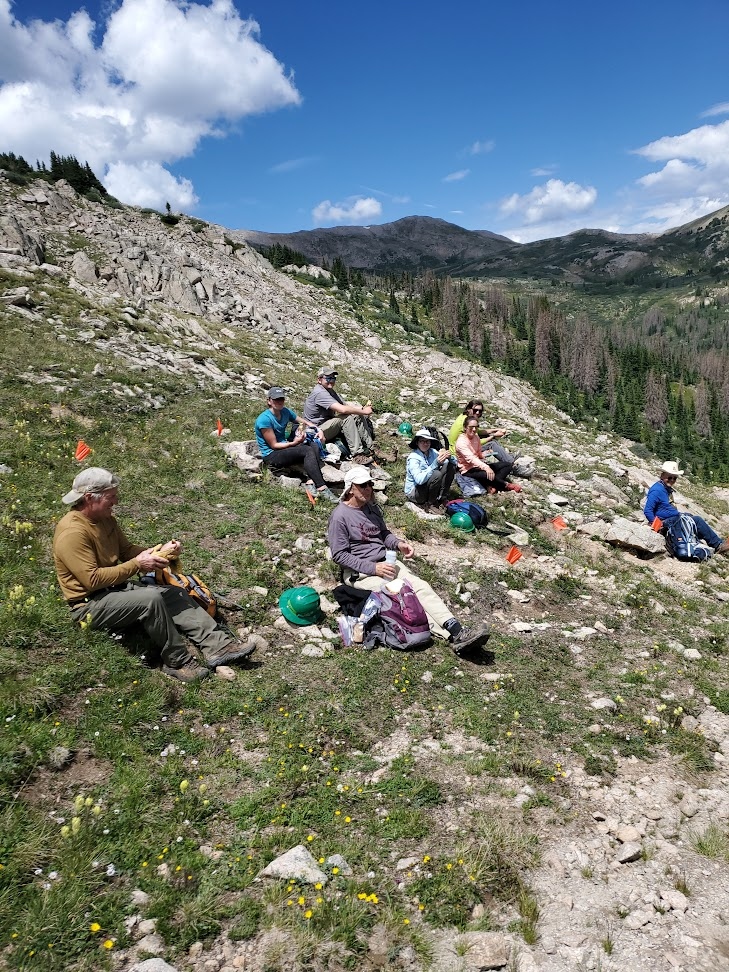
<point x="312" y="500"/>
<point x="656" y="525"/>
<point x="513" y="555"/>
<point x="220" y="428"/>
<point x="82" y="450"/>
<point x="559" y="523"/>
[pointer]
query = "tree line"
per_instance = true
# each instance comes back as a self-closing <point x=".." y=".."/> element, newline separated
<point x="67" y="167"/>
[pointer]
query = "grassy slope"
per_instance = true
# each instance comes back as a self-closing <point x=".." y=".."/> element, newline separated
<point x="286" y="753"/>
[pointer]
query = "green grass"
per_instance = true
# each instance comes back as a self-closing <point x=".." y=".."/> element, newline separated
<point x="292" y="751"/>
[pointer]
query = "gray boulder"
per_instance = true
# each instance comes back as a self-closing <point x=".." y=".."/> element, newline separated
<point x="298" y="864"/>
<point x="635" y="536"/>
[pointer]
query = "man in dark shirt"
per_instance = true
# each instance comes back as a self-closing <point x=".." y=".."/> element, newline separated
<point x="335" y="418"/>
<point x="358" y="540"/>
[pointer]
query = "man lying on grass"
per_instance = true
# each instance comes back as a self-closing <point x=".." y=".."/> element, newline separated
<point x="359" y="541"/>
<point x="95" y="564"/>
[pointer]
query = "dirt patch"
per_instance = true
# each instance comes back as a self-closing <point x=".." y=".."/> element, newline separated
<point x="84" y="772"/>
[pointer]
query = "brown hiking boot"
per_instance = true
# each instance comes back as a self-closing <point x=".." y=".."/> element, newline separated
<point x="386" y="456"/>
<point x="191" y="671"/>
<point x="362" y="459"/>
<point x="723" y="547"/>
<point x="235" y="651"/>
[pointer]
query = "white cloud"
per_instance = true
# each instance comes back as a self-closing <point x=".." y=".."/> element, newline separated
<point x="456" y="176"/>
<point x="554" y="202"/>
<point x="481" y="148"/>
<point x="721" y="109"/>
<point x="290" y="164"/>
<point x="694" y="179"/>
<point x="356" y="209"/>
<point x="146" y="183"/>
<point x="542" y="171"/>
<point x="165" y="74"/>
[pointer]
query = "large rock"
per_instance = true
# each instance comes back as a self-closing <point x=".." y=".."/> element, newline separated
<point x="635" y="536"/>
<point x="297" y="864"/>
<point x="152" y="965"/>
<point x="15" y="239"/>
<point x="84" y="268"/>
<point x="483" y="950"/>
<point x="243" y="455"/>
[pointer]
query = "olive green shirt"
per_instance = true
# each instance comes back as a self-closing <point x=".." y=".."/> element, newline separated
<point x="90" y="556"/>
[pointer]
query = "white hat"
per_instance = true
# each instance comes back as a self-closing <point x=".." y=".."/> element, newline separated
<point x="357" y="475"/>
<point x="93" y="480"/>
<point x="671" y="468"/>
<point x="422" y="434"/>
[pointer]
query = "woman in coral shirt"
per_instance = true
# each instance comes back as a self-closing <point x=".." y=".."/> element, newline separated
<point x="471" y="462"/>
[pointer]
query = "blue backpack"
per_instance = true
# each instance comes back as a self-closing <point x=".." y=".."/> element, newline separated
<point x="477" y="513"/>
<point x="682" y="540"/>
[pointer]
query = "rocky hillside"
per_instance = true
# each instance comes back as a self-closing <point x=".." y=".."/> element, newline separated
<point x="560" y="806"/>
<point x="418" y="243"/>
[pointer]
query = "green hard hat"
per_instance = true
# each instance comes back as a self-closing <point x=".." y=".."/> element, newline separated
<point x="405" y="428"/>
<point x="462" y="521"/>
<point x="301" y="605"/>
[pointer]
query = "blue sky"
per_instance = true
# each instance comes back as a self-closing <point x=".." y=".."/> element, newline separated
<point x="531" y="120"/>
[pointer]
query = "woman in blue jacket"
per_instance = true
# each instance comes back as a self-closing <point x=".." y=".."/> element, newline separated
<point x="428" y="473"/>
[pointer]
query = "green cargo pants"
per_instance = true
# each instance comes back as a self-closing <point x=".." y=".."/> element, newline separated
<point x="165" y="613"/>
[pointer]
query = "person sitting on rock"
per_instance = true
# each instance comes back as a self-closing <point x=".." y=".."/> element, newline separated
<point x="488" y="437"/>
<point x="471" y="461"/>
<point x="335" y="418"/>
<point x="659" y="503"/>
<point x="95" y="564"/>
<point x="278" y="451"/>
<point x="359" y="540"/>
<point x="428" y="474"/>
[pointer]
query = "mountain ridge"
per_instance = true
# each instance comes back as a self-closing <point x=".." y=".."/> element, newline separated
<point x="417" y="244"/>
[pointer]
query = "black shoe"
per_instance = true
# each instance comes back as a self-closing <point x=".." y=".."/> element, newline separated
<point x="191" y="671"/>
<point x="469" y="639"/>
<point x="236" y="651"/>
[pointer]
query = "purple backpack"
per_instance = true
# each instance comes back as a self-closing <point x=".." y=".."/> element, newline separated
<point x="401" y="622"/>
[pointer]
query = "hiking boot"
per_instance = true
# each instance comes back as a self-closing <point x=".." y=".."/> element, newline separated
<point x="469" y="639"/>
<point x="236" y="651"/>
<point x="514" y="487"/>
<point x="362" y="459"/>
<point x="382" y="456"/>
<point x="191" y="671"/>
<point x="310" y="490"/>
<point x="723" y="547"/>
<point x="327" y="494"/>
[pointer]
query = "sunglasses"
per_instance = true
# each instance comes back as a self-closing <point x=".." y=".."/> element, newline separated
<point x="477" y="411"/>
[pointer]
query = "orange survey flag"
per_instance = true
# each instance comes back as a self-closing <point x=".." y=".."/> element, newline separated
<point x="559" y="523"/>
<point x="513" y="555"/>
<point x="220" y="427"/>
<point x="82" y="450"/>
<point x="656" y="525"/>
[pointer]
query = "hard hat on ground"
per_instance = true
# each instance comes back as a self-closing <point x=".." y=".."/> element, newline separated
<point x="301" y="605"/>
<point x="462" y="521"/>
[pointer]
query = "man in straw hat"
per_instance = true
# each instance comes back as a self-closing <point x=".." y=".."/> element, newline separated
<point x="359" y="541"/>
<point x="95" y="564"/>
<point x="659" y="503"/>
